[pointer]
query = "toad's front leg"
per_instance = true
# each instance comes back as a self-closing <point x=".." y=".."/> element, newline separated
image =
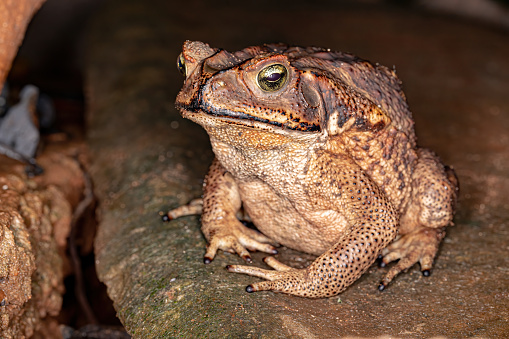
<point x="221" y="203"/>
<point x="374" y="225"/>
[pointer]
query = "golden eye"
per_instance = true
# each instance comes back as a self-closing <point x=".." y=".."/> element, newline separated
<point x="181" y="64"/>
<point x="272" y="77"/>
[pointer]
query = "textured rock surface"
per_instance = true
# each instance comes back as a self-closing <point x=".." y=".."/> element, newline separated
<point x="35" y="220"/>
<point x="148" y="159"/>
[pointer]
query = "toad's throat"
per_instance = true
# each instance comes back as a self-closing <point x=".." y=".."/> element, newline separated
<point x="294" y="125"/>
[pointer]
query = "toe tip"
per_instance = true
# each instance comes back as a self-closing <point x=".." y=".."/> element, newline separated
<point x="207" y="260"/>
<point x="426" y="273"/>
<point x="381" y="287"/>
<point x="165" y="218"/>
<point x="250" y="289"/>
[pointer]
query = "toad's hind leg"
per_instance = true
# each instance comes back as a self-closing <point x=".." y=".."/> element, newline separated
<point x="332" y="272"/>
<point x="430" y="210"/>
<point x="373" y="226"/>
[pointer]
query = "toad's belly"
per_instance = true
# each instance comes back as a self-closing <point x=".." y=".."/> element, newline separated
<point x="303" y="229"/>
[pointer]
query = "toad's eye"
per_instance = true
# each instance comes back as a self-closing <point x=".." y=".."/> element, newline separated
<point x="181" y="64"/>
<point x="272" y="77"/>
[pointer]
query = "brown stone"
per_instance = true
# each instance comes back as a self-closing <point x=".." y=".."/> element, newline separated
<point x="14" y="16"/>
<point x="35" y="221"/>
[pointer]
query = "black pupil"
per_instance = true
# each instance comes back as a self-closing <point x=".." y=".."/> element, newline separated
<point x="275" y="76"/>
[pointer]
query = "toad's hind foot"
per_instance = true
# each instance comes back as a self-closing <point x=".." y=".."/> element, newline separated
<point x="419" y="246"/>
<point x="332" y="272"/>
<point x="195" y="206"/>
<point x="282" y="279"/>
<point x="261" y="273"/>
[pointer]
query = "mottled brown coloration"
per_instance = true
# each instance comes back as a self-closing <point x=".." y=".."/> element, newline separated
<point x="31" y="272"/>
<point x="323" y="158"/>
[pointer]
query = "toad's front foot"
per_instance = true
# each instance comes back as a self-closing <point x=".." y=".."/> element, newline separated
<point x="234" y="237"/>
<point x="419" y="246"/>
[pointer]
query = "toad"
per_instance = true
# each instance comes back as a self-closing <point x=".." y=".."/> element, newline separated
<point x="318" y="150"/>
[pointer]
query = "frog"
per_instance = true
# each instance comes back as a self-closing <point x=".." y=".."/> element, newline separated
<point x="318" y="150"/>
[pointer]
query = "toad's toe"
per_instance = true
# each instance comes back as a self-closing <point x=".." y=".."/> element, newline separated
<point x="419" y="246"/>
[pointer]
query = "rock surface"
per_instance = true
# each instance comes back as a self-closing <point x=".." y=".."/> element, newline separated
<point x="147" y="159"/>
<point x="35" y="221"/>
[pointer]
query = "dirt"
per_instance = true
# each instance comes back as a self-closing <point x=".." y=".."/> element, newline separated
<point x="148" y="159"/>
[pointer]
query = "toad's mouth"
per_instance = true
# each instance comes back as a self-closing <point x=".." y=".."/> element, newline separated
<point x="199" y="115"/>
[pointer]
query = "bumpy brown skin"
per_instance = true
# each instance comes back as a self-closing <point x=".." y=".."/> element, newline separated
<point x="326" y="164"/>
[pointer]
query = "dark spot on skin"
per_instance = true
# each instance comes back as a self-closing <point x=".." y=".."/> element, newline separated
<point x="343" y="118"/>
<point x="360" y="122"/>
<point x="378" y="126"/>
